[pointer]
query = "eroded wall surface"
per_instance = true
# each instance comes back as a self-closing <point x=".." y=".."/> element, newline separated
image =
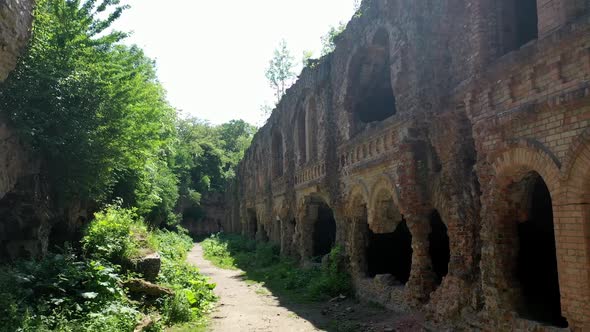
<point x="433" y="121"/>
<point x="15" y="29"/>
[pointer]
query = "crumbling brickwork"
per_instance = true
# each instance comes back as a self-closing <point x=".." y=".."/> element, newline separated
<point x="448" y="142"/>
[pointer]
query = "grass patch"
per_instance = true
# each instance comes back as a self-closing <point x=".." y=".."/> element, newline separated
<point x="262" y="263"/>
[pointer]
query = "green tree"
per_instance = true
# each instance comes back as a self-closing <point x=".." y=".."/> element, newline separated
<point x="307" y="56"/>
<point x="207" y="157"/>
<point x="91" y="108"/>
<point x="329" y="39"/>
<point x="280" y="70"/>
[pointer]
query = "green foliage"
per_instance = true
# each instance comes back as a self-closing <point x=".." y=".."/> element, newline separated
<point x="69" y="292"/>
<point x="178" y="309"/>
<point x="92" y="108"/>
<point x="307" y="57"/>
<point x="193" y="292"/>
<point x="94" y="111"/>
<point x="218" y="253"/>
<point x="280" y="70"/>
<point x="332" y="281"/>
<point x="63" y="293"/>
<point x="262" y="263"/>
<point x="329" y="39"/>
<point x="117" y="233"/>
<point x="207" y="156"/>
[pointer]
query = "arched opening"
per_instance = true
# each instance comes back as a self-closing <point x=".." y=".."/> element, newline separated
<point x="277" y="154"/>
<point x="390" y="253"/>
<point x="440" y="252"/>
<point x="324" y="229"/>
<point x="370" y="91"/>
<point x="386" y="215"/>
<point x="252" y="226"/>
<point x="301" y="138"/>
<point x="536" y="268"/>
<point x="518" y="23"/>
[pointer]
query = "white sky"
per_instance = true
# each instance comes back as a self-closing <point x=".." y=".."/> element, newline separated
<point x="211" y="55"/>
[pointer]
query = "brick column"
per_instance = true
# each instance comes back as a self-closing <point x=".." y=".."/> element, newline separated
<point x="421" y="281"/>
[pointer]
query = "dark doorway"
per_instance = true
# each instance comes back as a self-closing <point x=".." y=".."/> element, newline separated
<point x="537" y="261"/>
<point x="370" y="89"/>
<point x="324" y="232"/>
<point x="390" y="253"/>
<point x="440" y="252"/>
<point x="527" y="21"/>
<point x="252" y="222"/>
<point x="519" y="23"/>
<point x="378" y="103"/>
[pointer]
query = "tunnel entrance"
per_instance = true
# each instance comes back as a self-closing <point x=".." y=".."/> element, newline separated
<point x="390" y="253"/>
<point x="324" y="231"/>
<point x="440" y="252"/>
<point x="537" y="262"/>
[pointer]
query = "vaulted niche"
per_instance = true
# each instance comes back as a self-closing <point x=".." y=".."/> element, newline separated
<point x="324" y="229"/>
<point x="440" y="253"/>
<point x="518" y="23"/>
<point x="369" y="89"/>
<point x="390" y="253"/>
<point x="389" y="242"/>
<point x="277" y="154"/>
<point x="537" y="262"/>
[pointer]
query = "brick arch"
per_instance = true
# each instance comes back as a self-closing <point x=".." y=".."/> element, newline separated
<point x="359" y="191"/>
<point x="523" y="157"/>
<point x="383" y="185"/>
<point x="305" y="225"/>
<point x="504" y="201"/>
<point x="384" y="182"/>
<point x="578" y="157"/>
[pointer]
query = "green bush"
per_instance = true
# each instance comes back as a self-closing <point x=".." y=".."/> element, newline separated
<point x="266" y="254"/>
<point x="117" y="233"/>
<point x="332" y="280"/>
<point x="178" y="309"/>
<point x="173" y="245"/>
<point x="63" y="293"/>
<point x="70" y="292"/>
<point x="218" y="252"/>
<point x="194" y="295"/>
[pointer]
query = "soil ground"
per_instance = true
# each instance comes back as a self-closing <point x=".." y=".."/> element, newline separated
<point x="248" y="306"/>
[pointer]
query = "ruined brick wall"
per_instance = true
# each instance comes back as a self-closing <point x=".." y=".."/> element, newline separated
<point x="436" y="121"/>
<point x="212" y="206"/>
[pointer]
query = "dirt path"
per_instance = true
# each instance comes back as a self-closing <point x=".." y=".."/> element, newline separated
<point x="244" y="307"/>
